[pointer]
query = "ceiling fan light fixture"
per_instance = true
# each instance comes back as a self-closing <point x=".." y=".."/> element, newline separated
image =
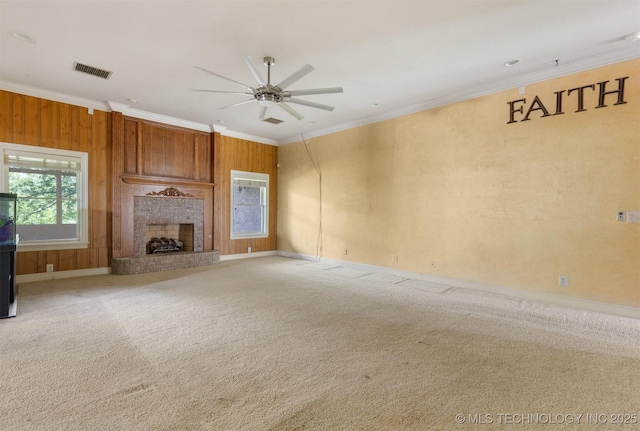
<point x="633" y="37"/>
<point x="267" y="99"/>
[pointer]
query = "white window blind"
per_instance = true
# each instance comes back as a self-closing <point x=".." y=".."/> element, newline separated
<point x="52" y="189"/>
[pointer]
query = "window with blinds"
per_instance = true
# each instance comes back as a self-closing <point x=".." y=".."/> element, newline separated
<point x="51" y="185"/>
<point x="249" y="205"/>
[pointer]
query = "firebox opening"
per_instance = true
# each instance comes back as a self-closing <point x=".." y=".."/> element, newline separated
<point x="169" y="238"/>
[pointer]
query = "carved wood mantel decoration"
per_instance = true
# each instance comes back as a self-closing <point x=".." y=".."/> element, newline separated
<point x="170" y="191"/>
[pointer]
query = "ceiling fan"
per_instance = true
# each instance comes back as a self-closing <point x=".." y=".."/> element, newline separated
<point x="269" y="95"/>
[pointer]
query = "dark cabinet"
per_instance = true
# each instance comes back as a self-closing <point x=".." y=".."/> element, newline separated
<point x="8" y="243"/>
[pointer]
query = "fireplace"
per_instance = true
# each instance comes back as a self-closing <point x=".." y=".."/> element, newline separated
<point x="169" y="237"/>
<point x="167" y="217"/>
<point x="185" y="216"/>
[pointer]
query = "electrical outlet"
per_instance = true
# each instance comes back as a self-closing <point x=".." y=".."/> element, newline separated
<point x="563" y="280"/>
<point x="49" y="267"/>
<point x="248" y="249"/>
<point x="433" y="264"/>
<point x="621" y="216"/>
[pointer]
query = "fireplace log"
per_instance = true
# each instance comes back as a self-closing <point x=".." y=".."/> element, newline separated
<point x="156" y="245"/>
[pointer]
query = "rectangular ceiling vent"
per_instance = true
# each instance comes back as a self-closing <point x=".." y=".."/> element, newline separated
<point x="79" y="67"/>
<point x="272" y="120"/>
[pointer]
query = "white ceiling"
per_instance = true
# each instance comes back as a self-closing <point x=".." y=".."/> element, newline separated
<point x="403" y="55"/>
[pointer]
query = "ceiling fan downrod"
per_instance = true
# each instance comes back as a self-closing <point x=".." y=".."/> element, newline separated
<point x="269" y="61"/>
<point x="268" y="95"/>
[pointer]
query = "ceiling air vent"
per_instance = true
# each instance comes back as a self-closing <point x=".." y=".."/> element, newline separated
<point x="79" y="67"/>
<point x="272" y="120"/>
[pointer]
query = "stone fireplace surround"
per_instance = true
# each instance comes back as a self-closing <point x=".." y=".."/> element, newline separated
<point x="161" y="209"/>
<point x="150" y="210"/>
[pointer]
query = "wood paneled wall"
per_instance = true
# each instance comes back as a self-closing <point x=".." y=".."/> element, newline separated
<point x="33" y="121"/>
<point x="237" y="154"/>
<point x="165" y="155"/>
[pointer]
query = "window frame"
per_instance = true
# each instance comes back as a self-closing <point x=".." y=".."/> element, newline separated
<point x="252" y="176"/>
<point x="82" y="190"/>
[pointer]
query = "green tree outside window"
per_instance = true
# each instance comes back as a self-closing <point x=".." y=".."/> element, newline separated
<point x="44" y="196"/>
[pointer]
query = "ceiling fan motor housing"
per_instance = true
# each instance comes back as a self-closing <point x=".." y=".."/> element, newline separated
<point x="268" y="96"/>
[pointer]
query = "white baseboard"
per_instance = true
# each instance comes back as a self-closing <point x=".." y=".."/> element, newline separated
<point x="567" y="301"/>
<point x="55" y="275"/>
<point x="248" y="255"/>
<point x="584" y="304"/>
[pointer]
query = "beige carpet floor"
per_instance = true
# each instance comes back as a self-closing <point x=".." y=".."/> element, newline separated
<point x="282" y="344"/>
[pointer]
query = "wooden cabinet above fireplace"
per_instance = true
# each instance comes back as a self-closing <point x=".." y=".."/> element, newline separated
<point x="159" y="150"/>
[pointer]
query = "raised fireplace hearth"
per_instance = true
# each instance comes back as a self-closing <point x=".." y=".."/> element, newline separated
<point x="163" y="262"/>
<point x="171" y="225"/>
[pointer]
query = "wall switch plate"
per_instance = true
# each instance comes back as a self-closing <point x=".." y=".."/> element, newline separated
<point x="563" y="280"/>
<point x="248" y="249"/>
<point x="49" y="267"/>
<point x="621" y="216"/>
<point x="632" y="216"/>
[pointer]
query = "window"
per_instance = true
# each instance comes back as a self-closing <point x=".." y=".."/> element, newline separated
<point x="249" y="205"/>
<point x="51" y="185"/>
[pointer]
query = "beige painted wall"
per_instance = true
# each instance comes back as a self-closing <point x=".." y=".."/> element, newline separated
<point x="515" y="205"/>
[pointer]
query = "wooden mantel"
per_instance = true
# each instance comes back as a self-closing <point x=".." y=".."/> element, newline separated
<point x="140" y="179"/>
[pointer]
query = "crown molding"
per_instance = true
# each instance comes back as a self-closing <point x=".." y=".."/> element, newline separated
<point x="117" y="107"/>
<point x="27" y="90"/>
<point x="111" y="106"/>
<point x="544" y="74"/>
<point x="248" y="137"/>
<point x="165" y="119"/>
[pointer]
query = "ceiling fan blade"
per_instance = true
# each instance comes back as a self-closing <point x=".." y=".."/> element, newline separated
<point x="311" y="104"/>
<point x="312" y="91"/>
<point x="290" y="110"/>
<point x="303" y="71"/>
<point x="263" y="112"/>
<point x="224" y="77"/>
<point x="254" y="71"/>
<point x="239" y="103"/>
<point x="226" y="92"/>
